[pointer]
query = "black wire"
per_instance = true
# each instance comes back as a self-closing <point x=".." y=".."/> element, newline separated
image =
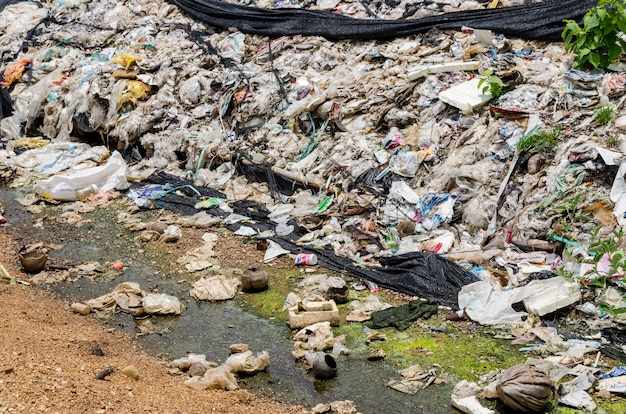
<point x="281" y="87"/>
<point x="199" y="39"/>
<point x="271" y="180"/>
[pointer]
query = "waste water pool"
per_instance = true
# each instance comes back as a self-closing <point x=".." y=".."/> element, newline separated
<point x="209" y="328"/>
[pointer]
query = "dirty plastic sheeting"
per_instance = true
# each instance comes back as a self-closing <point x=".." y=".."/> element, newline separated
<point x="425" y="275"/>
<point x="489" y="305"/>
<point x="533" y="20"/>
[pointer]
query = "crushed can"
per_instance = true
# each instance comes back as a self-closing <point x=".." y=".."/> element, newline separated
<point x="306" y="259"/>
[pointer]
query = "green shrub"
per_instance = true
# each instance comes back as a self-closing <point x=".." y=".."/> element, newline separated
<point x="604" y="115"/>
<point x="543" y="140"/>
<point x="491" y="83"/>
<point x="599" y="41"/>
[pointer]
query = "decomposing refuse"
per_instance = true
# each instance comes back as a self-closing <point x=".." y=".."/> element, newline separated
<point x="450" y="151"/>
<point x="209" y="375"/>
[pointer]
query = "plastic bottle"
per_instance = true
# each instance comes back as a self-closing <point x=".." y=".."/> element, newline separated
<point x="70" y="194"/>
<point x="83" y="193"/>
<point x="71" y="186"/>
<point x="393" y="238"/>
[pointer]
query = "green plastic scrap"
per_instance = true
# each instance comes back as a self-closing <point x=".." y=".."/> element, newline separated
<point x="63" y="41"/>
<point x="393" y="238"/>
<point x="315" y="137"/>
<point x="209" y="202"/>
<point x="325" y="203"/>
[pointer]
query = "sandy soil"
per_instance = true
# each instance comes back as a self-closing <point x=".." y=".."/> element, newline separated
<point x="50" y="357"/>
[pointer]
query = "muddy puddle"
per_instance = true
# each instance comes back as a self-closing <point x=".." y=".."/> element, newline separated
<point x="209" y="328"/>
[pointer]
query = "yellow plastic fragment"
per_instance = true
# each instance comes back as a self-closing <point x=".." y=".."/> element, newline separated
<point x="30" y="142"/>
<point x="126" y="60"/>
<point x="133" y="92"/>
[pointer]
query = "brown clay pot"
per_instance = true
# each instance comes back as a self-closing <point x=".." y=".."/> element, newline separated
<point x="254" y="280"/>
<point x="33" y="261"/>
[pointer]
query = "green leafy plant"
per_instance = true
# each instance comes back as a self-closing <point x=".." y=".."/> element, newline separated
<point x="612" y="141"/>
<point x="604" y="115"/>
<point x="569" y="213"/>
<point x="598" y="42"/>
<point x="491" y="83"/>
<point x="606" y="248"/>
<point x="541" y="140"/>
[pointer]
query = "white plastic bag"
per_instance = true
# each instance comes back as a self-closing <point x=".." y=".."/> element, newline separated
<point x="215" y="288"/>
<point x="162" y="304"/>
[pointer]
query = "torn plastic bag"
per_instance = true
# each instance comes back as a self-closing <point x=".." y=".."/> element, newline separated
<point x="6" y="106"/>
<point x="414" y="378"/>
<point x="273" y="251"/>
<point x="247" y="363"/>
<point x="316" y="337"/>
<point x="185" y="363"/>
<point x="464" y="397"/>
<point x="21" y="17"/>
<point x="215" y="288"/>
<point x="618" y="194"/>
<point x="219" y="378"/>
<point x="127" y="295"/>
<point x="184" y="204"/>
<point x="613" y="384"/>
<point x="490" y="305"/>
<point x="27" y="106"/>
<point x="578" y="399"/>
<point x="162" y="304"/>
<point x="60" y="156"/>
<point x="361" y="310"/>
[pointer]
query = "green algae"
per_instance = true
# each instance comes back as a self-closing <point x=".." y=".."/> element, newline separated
<point x="455" y="352"/>
<point x="269" y="303"/>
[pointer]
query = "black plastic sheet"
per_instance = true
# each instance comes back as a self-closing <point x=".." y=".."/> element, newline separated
<point x="6" y="107"/>
<point x="4" y="3"/>
<point x="421" y="274"/>
<point x="529" y="21"/>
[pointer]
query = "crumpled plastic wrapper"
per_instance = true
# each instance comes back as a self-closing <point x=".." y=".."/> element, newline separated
<point x="316" y="337"/>
<point x="129" y="297"/>
<point x="215" y="288"/>
<point x="223" y="377"/>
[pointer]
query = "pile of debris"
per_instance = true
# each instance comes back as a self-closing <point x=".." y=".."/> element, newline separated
<point x="462" y="163"/>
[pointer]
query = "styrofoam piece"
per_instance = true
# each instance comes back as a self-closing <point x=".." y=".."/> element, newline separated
<point x="464" y="398"/>
<point x="314" y="312"/>
<point x="421" y="71"/>
<point x="466" y="96"/>
<point x="551" y="295"/>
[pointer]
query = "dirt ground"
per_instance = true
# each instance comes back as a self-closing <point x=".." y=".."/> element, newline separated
<point x="50" y="357"/>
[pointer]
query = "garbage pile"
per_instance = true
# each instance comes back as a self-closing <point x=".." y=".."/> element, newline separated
<point x="129" y="297"/>
<point x="469" y="166"/>
<point x="206" y="375"/>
